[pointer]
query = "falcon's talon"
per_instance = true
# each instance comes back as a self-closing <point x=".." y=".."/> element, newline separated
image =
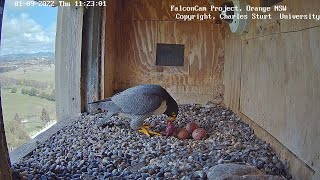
<point x="144" y="130"/>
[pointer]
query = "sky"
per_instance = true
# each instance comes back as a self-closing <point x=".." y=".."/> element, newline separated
<point x="28" y="29"/>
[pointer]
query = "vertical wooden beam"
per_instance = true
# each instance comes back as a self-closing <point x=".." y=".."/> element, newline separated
<point x="232" y="71"/>
<point x="68" y="61"/>
<point x="110" y="50"/>
<point x="91" y="55"/>
<point x="4" y="155"/>
<point x="78" y="59"/>
<point x="103" y="53"/>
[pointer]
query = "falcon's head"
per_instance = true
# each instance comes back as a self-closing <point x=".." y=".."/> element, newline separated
<point x="172" y="110"/>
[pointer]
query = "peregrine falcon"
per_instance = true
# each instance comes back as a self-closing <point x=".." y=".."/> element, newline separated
<point x="139" y="103"/>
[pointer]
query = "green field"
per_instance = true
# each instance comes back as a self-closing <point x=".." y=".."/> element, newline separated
<point x="46" y="90"/>
<point x="24" y="105"/>
<point x="42" y="74"/>
<point x="29" y="108"/>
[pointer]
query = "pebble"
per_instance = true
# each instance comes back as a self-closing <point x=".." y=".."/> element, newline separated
<point x="81" y="150"/>
<point x="160" y="174"/>
<point x="167" y="174"/>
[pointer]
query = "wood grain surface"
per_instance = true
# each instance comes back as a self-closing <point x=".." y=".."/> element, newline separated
<point x="275" y="81"/>
<point x="140" y="25"/>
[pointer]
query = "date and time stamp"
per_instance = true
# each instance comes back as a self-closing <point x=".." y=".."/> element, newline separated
<point x="264" y="11"/>
<point x="31" y="3"/>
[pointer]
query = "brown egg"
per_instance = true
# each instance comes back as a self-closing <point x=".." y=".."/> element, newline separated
<point x="175" y="134"/>
<point x="191" y="126"/>
<point x="199" y="134"/>
<point x="183" y="134"/>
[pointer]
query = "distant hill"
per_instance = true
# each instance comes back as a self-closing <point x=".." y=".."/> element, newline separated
<point x="26" y="56"/>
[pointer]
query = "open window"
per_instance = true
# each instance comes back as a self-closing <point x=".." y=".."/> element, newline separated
<point x="27" y="70"/>
<point x="46" y="64"/>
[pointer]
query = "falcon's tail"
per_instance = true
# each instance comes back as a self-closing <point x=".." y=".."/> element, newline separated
<point x="103" y="100"/>
<point x="102" y="122"/>
<point x="106" y="105"/>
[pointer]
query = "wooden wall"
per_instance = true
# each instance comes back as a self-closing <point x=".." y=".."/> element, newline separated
<point x="68" y="62"/>
<point x="139" y="25"/>
<point x="272" y="77"/>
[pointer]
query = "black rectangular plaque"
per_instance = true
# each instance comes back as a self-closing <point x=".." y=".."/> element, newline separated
<point x="170" y="54"/>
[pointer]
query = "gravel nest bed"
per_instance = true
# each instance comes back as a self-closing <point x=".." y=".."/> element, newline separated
<point x="82" y="151"/>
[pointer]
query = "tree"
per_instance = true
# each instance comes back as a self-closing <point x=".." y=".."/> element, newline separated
<point x="51" y="97"/>
<point x="53" y="94"/>
<point x="33" y="92"/>
<point x="43" y="95"/>
<point x="15" y="134"/>
<point x="13" y="90"/>
<point x="45" y="118"/>
<point x="17" y="118"/>
<point x="24" y="91"/>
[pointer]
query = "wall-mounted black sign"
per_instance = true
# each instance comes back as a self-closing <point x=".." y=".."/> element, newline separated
<point x="170" y="54"/>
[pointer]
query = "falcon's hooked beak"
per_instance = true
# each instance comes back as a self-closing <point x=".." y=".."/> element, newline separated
<point x="173" y="117"/>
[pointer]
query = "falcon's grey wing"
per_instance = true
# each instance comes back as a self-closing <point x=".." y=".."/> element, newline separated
<point x="142" y="100"/>
<point x="109" y="106"/>
<point x="145" y="88"/>
<point x="137" y="103"/>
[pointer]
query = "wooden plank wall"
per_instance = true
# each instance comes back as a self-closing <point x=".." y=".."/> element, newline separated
<point x="91" y="56"/>
<point x="110" y="49"/>
<point x="140" y="24"/>
<point x="232" y="71"/>
<point x="68" y="61"/>
<point x="278" y="84"/>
